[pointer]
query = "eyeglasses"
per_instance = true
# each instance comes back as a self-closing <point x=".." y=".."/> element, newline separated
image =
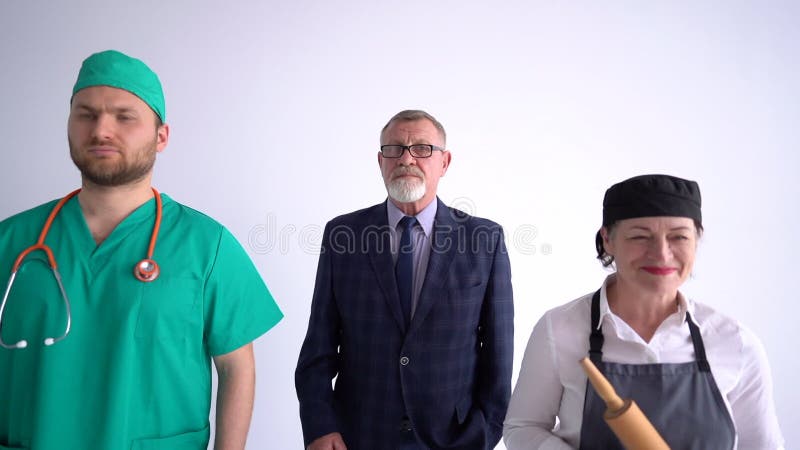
<point x="416" y="150"/>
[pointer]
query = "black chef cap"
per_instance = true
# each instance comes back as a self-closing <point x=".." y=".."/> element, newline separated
<point x="652" y="196"/>
<point x="649" y="196"/>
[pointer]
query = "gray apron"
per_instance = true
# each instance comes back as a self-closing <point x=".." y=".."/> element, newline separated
<point x="681" y="400"/>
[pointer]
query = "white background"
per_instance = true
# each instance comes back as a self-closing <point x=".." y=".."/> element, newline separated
<point x="275" y="109"/>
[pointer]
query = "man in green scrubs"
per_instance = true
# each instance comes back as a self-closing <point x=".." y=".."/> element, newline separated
<point x="134" y="372"/>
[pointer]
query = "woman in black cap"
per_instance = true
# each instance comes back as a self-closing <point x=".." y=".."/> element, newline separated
<point x="700" y="377"/>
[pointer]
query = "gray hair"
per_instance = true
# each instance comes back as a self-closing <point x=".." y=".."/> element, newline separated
<point x="410" y="115"/>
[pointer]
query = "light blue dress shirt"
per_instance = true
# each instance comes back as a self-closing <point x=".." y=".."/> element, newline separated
<point x="421" y="237"/>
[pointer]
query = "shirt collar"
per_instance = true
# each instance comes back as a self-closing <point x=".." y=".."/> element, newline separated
<point x="425" y="217"/>
<point x="684" y="305"/>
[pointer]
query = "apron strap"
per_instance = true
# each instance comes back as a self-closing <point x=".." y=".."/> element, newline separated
<point x="699" y="348"/>
<point x="596" y="338"/>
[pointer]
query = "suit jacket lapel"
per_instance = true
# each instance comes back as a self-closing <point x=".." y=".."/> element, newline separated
<point x="444" y="244"/>
<point x="380" y="255"/>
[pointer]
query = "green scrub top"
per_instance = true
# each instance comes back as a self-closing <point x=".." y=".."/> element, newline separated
<point x="135" y="370"/>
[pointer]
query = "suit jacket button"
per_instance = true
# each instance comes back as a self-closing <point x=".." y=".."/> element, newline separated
<point x="404" y="361"/>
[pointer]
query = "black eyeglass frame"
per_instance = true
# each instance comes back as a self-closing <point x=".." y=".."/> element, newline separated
<point x="430" y="148"/>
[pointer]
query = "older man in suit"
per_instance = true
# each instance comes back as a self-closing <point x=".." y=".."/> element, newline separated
<point x="412" y="314"/>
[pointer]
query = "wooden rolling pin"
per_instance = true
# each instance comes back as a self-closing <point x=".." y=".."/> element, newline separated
<point x="624" y="417"/>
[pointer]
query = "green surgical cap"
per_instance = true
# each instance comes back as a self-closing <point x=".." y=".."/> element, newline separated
<point x="116" y="69"/>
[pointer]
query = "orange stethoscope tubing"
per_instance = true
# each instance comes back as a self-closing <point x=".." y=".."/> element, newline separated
<point x="145" y="270"/>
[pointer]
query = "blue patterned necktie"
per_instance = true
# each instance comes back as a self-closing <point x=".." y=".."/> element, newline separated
<point x="404" y="271"/>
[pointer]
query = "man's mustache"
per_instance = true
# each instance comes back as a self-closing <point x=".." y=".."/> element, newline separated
<point x="407" y="170"/>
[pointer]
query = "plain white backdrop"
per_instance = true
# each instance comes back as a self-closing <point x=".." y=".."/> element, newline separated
<point x="275" y="110"/>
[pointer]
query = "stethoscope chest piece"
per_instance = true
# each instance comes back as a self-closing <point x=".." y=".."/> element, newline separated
<point x="146" y="270"/>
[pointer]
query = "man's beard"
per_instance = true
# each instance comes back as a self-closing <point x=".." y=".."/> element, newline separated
<point x="119" y="173"/>
<point x="406" y="190"/>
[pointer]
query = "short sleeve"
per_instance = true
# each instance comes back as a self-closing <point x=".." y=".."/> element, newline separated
<point x="238" y="307"/>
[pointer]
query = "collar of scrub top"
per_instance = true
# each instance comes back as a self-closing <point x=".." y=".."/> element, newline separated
<point x="145" y="270"/>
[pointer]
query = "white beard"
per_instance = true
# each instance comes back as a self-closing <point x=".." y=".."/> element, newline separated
<point x="406" y="190"/>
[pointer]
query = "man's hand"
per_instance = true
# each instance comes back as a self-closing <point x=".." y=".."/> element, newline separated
<point x="331" y="441"/>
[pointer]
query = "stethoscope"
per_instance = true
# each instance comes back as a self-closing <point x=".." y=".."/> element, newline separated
<point x="145" y="270"/>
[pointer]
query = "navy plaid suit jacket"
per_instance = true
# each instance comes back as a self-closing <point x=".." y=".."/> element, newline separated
<point x="456" y="381"/>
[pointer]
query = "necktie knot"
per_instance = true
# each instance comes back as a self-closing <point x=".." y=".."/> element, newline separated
<point x="407" y="222"/>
